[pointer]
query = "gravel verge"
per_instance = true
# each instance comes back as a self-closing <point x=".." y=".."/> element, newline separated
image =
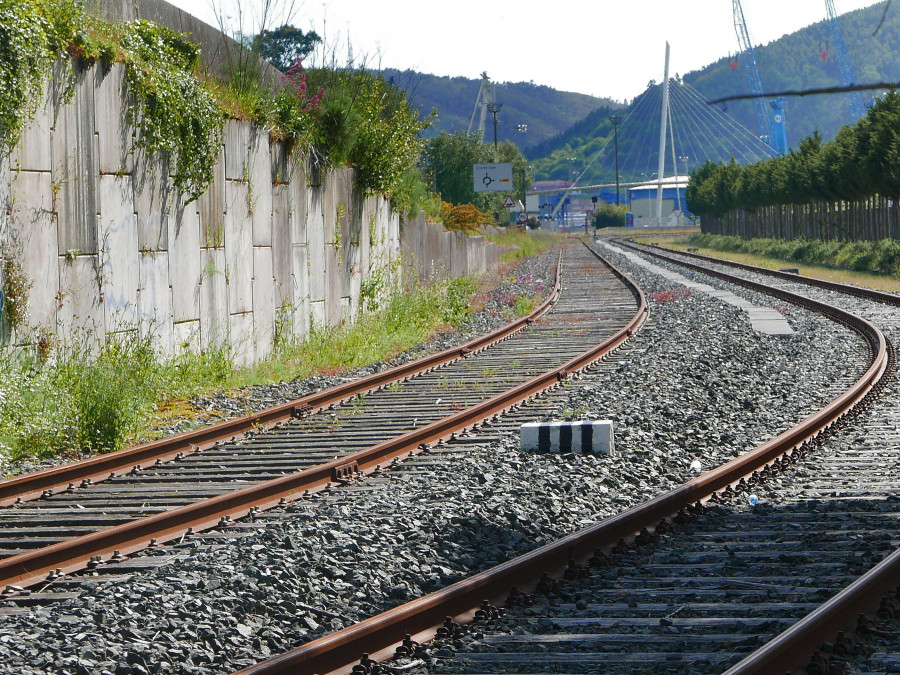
<point x="698" y="386"/>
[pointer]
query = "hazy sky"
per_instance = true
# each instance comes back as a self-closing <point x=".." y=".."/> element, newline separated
<point x="606" y="47"/>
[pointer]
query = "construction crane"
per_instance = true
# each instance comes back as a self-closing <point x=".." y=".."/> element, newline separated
<point x="484" y="99"/>
<point x="848" y="73"/>
<point x="772" y="127"/>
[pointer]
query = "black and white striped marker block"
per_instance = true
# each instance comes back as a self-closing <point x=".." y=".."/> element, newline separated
<point x="588" y="438"/>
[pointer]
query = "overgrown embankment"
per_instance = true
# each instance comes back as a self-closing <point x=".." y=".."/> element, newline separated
<point x="876" y="257"/>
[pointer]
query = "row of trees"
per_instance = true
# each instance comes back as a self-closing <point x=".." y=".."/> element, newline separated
<point x="861" y="161"/>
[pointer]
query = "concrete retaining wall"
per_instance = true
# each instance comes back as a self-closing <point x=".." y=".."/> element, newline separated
<point x="431" y="252"/>
<point x="108" y="245"/>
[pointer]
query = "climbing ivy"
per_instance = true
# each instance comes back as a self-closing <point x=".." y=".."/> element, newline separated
<point x="25" y="60"/>
<point x="174" y="112"/>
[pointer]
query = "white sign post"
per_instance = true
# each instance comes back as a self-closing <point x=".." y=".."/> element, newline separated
<point x="493" y="177"/>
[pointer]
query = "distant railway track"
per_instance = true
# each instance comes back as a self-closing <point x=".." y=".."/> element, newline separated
<point x="668" y="597"/>
<point x="101" y="510"/>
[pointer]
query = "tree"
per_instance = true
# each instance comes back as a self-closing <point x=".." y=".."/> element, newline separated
<point x="451" y="158"/>
<point x="283" y="46"/>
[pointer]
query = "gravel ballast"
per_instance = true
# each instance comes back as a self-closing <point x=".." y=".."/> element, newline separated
<point x="698" y="385"/>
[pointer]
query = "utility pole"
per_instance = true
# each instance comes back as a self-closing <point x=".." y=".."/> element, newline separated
<point x="494" y="108"/>
<point x="616" y="119"/>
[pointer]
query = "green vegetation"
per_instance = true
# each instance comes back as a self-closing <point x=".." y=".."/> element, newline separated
<point x="23" y="63"/>
<point x="609" y="215"/>
<point x="516" y="243"/>
<point x="93" y="399"/>
<point x="863" y="160"/>
<point x="87" y="398"/>
<point x="450" y="158"/>
<point x="177" y="115"/>
<point x="878" y="257"/>
<point x="340" y="117"/>
<point x="546" y="112"/>
<point x="405" y="320"/>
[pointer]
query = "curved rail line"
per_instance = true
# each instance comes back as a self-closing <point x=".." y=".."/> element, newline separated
<point x="863" y="595"/>
<point x="849" y="289"/>
<point x="35" y="566"/>
<point x="377" y="637"/>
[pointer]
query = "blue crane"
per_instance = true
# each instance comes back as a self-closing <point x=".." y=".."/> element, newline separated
<point x="848" y="73"/>
<point x="772" y="127"/>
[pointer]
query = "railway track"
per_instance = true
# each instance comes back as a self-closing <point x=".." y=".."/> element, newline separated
<point x="688" y="599"/>
<point x="48" y="532"/>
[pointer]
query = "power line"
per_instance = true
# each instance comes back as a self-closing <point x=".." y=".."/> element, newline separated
<point x="809" y="92"/>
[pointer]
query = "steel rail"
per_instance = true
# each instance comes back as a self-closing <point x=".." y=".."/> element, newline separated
<point x="849" y="289"/>
<point x="34" y="566"/>
<point x="793" y="647"/>
<point x="377" y="636"/>
<point x="102" y="467"/>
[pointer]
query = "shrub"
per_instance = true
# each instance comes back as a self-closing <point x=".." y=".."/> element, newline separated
<point x="609" y="215"/>
<point x="176" y="115"/>
<point x="463" y="218"/>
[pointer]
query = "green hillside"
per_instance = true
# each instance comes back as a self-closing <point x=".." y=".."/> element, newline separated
<point x="794" y="62"/>
<point x="545" y="111"/>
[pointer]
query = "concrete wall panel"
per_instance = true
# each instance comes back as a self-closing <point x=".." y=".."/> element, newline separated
<point x="120" y="267"/>
<point x="79" y="309"/>
<point x="238" y="248"/>
<point x="243" y="349"/>
<point x="300" y="291"/>
<point x="5" y="196"/>
<point x="155" y="298"/>
<point x="237" y="149"/>
<point x="315" y="232"/>
<point x="212" y="208"/>
<point x="260" y="177"/>
<point x="74" y="163"/>
<point x="214" y="325"/>
<point x="264" y="308"/>
<point x="115" y="137"/>
<point x="317" y="313"/>
<point x="31" y="237"/>
<point x="34" y="150"/>
<point x="185" y="269"/>
<point x="491" y="255"/>
<point x="186" y="336"/>
<point x="152" y="189"/>
<point x="299" y="204"/>
<point x="281" y="244"/>
<point x="333" y="250"/>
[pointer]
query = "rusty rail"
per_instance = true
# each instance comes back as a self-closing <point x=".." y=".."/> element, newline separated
<point x="101" y="467"/>
<point x="849" y="289"/>
<point x="379" y="635"/>
<point x="70" y="555"/>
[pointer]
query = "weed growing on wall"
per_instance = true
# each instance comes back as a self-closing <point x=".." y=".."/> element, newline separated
<point x="16" y="286"/>
<point x="175" y="113"/>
